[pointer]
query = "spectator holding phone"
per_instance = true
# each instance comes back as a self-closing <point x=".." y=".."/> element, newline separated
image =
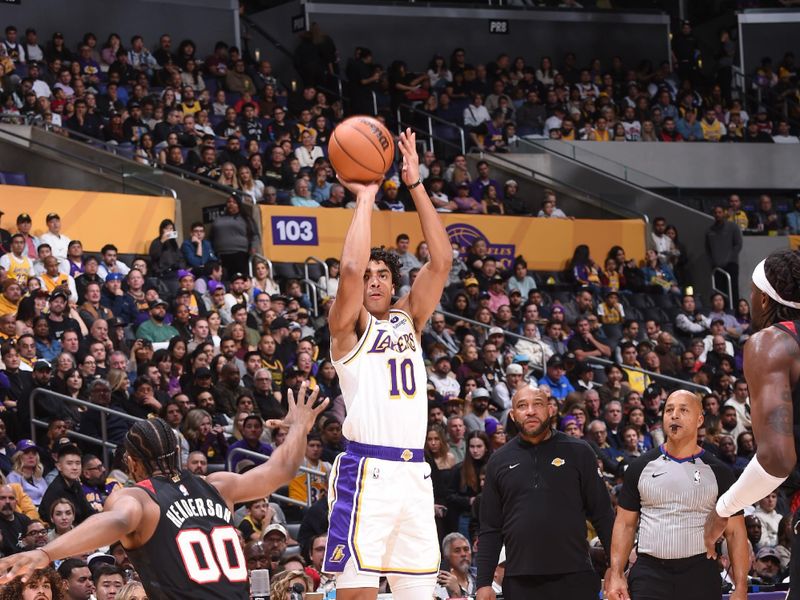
<point x="165" y="255"/>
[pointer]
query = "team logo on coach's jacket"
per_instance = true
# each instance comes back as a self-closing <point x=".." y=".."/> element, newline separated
<point x="338" y="554"/>
<point x="557" y="462"/>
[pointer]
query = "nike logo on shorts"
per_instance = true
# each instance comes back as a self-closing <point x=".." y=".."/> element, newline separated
<point x="513" y="466"/>
<point x="428" y="476"/>
<point x="659" y="474"/>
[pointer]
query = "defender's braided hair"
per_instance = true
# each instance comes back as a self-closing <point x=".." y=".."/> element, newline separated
<point x="391" y="260"/>
<point x="783" y="272"/>
<point x="154" y="443"/>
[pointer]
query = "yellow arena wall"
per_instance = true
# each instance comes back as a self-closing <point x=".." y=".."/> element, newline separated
<point x="290" y="234"/>
<point x="129" y="222"/>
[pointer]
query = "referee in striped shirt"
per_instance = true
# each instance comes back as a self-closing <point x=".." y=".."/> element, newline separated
<point x="668" y="492"/>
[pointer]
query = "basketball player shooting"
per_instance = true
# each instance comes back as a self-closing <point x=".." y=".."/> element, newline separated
<point x="380" y="493"/>
<point x="176" y="526"/>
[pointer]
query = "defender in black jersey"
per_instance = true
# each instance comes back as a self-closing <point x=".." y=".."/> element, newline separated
<point x="772" y="371"/>
<point x="176" y="526"/>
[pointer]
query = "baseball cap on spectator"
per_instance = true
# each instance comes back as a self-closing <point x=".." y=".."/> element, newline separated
<point x="213" y="286"/>
<point x="514" y="369"/>
<point x="768" y="552"/>
<point x="555" y="361"/>
<point x="185" y="273"/>
<point x="133" y="104"/>
<point x="511" y="182"/>
<point x="26" y="444"/>
<point x="495" y="331"/>
<point x="390" y="184"/>
<point x="292" y="371"/>
<point x="114" y="322"/>
<point x="484" y="296"/>
<point x="156" y="303"/>
<point x="557" y="309"/>
<point x="295" y="326"/>
<point x="653" y="389"/>
<point x="479" y="393"/>
<point x="514" y="292"/>
<point x="279" y="298"/>
<point x="99" y="558"/>
<point x="115" y="277"/>
<point x="521" y="358"/>
<point x="278" y="323"/>
<point x="275" y="527"/>
<point x="23" y="218"/>
<point x="566" y="420"/>
<point x="490" y="425"/>
<point x="497" y="278"/>
<point x="42" y="365"/>
<point x="202" y="373"/>
<point x="470" y="281"/>
<point x="238" y="276"/>
<point x="51" y="216"/>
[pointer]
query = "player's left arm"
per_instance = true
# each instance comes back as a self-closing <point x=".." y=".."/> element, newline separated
<point x="429" y="284"/>
<point x="739" y="553"/>
<point x="282" y="465"/>
<point x="122" y="516"/>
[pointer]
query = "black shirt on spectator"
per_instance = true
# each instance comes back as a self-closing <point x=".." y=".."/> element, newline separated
<point x="72" y="491"/>
<point x="12" y="532"/>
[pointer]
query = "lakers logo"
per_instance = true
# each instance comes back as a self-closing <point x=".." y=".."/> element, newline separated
<point x="407" y="455"/>
<point x="557" y="462"/>
<point x="338" y="554"/>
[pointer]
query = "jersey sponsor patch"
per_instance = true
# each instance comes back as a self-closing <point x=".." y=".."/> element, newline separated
<point x="557" y="462"/>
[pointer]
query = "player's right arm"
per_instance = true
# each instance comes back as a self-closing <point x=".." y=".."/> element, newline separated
<point x="348" y="309"/>
<point x="770" y="367"/>
<point x="122" y="515"/>
<point x="283" y="463"/>
<point x="770" y="359"/>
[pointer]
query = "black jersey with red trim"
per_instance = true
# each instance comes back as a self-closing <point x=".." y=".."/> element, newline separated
<point x="194" y="552"/>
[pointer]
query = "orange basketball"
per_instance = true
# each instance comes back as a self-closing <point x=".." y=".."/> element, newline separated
<point x="361" y="149"/>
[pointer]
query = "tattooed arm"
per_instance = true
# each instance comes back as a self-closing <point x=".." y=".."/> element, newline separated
<point x="770" y="368"/>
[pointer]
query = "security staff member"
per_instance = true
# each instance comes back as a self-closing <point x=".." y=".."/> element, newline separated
<point x="669" y="491"/>
<point x="540" y="489"/>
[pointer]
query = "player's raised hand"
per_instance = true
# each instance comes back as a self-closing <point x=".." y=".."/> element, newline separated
<point x="22" y="564"/>
<point x="408" y="148"/>
<point x="362" y="190"/>
<point x="302" y="411"/>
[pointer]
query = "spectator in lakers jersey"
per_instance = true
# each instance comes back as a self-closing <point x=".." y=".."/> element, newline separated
<point x="16" y="262"/>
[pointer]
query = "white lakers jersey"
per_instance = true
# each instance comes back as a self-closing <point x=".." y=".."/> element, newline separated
<point x="383" y="381"/>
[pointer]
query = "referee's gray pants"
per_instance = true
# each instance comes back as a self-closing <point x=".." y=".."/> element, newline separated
<point x="693" y="578"/>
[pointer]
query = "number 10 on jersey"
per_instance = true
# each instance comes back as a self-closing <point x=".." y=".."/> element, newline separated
<point x="402" y="378"/>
